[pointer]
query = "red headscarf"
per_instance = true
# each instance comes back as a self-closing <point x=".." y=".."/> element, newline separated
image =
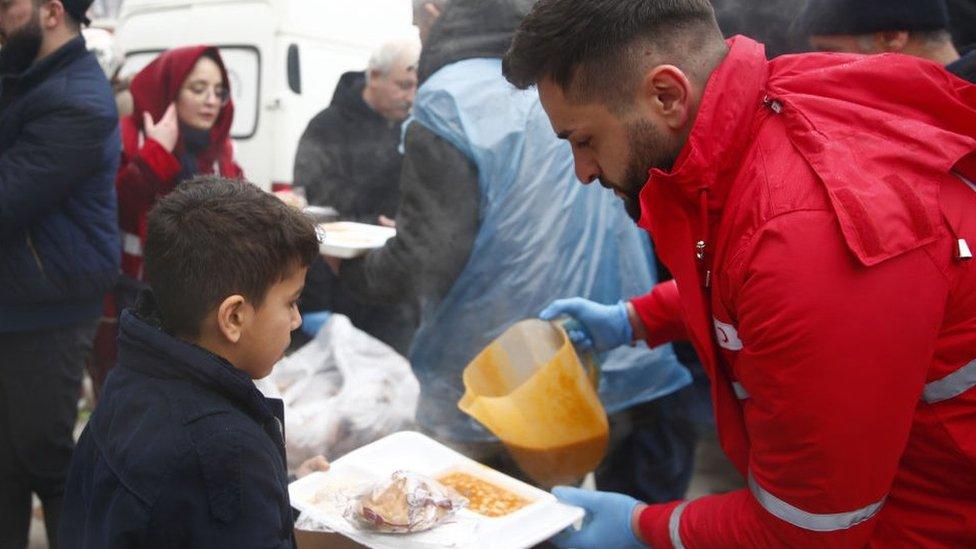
<point x="157" y="86"/>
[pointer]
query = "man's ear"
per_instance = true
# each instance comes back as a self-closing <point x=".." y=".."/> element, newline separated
<point x="432" y="11"/>
<point x="666" y="92"/>
<point x="51" y="14"/>
<point x="891" y="41"/>
<point x="233" y="315"/>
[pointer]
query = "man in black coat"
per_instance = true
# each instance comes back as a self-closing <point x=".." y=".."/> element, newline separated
<point x="59" y="245"/>
<point x="349" y="159"/>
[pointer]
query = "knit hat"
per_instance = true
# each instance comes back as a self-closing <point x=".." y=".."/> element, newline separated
<point x="836" y="17"/>
<point x="78" y="10"/>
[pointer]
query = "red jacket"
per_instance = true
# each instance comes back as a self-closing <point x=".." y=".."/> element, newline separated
<point x="830" y="309"/>
<point x="148" y="171"/>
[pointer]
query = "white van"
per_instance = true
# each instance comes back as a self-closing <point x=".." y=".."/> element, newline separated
<point x="284" y="59"/>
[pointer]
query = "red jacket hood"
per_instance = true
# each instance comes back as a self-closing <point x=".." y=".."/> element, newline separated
<point x="157" y="86"/>
<point x="856" y="119"/>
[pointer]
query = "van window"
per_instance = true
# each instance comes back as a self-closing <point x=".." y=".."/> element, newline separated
<point x="294" y="70"/>
<point x="244" y="71"/>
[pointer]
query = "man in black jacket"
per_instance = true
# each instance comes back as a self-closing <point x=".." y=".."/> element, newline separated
<point x="59" y="245"/>
<point x="912" y="27"/>
<point x="348" y="159"/>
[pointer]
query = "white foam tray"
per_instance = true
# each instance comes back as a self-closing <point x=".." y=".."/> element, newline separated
<point x="346" y="240"/>
<point x="415" y="452"/>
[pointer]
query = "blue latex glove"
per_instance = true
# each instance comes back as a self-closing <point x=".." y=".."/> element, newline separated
<point x="603" y="327"/>
<point x="607" y="522"/>
<point x="313" y="322"/>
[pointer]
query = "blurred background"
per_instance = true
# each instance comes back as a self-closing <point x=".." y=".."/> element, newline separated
<point x="285" y="57"/>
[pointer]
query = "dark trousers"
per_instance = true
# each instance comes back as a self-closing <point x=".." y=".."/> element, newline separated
<point x="40" y="382"/>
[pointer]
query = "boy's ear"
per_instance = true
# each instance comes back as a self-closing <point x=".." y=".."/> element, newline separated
<point x="232" y="316"/>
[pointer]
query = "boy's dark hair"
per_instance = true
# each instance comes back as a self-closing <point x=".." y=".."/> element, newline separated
<point x="213" y="238"/>
<point x="594" y="49"/>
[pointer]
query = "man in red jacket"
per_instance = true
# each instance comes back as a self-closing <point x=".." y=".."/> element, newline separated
<point x="817" y="213"/>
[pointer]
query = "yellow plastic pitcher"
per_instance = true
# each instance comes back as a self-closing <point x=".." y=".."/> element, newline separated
<point x="529" y="388"/>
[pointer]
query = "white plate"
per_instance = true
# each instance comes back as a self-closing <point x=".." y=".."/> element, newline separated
<point x="346" y="240"/>
<point x="415" y="452"/>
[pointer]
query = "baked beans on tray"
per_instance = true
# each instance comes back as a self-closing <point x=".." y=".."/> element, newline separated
<point x="484" y="498"/>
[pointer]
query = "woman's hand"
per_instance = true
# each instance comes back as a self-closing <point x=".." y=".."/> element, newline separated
<point x="166" y="132"/>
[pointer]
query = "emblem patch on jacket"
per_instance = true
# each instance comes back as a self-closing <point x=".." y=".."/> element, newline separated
<point x="727" y="336"/>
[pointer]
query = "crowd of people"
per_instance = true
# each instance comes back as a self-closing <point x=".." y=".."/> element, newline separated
<point x="808" y="300"/>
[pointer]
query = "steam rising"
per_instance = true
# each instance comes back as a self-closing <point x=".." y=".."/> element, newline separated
<point x="767" y="21"/>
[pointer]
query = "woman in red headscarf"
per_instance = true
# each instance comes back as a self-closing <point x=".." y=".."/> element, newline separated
<point x="179" y="129"/>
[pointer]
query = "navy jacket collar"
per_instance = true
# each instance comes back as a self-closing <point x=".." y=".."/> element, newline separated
<point x="41" y="70"/>
<point x="145" y="348"/>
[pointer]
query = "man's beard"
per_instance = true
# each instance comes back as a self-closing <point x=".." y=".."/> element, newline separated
<point x="648" y="149"/>
<point x="20" y="48"/>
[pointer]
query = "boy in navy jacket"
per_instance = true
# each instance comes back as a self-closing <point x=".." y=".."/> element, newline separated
<point x="183" y="450"/>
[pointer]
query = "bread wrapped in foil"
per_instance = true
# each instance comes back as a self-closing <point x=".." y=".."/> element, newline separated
<point x="405" y="503"/>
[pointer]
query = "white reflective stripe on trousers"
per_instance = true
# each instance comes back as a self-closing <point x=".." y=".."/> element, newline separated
<point x="674" y="526"/>
<point x="740" y="391"/>
<point x="952" y="385"/>
<point x="811" y="521"/>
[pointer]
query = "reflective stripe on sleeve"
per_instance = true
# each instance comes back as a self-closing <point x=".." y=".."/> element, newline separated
<point x="740" y="391"/>
<point x="811" y="521"/>
<point x="967" y="181"/>
<point x="674" y="525"/>
<point x="952" y="385"/>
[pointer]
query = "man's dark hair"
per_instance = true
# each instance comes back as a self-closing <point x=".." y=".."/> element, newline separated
<point x="594" y="49"/>
<point x="213" y="238"/>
